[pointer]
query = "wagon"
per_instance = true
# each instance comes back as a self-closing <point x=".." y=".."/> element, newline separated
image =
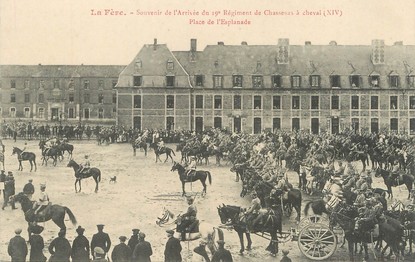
<point x="315" y="238"/>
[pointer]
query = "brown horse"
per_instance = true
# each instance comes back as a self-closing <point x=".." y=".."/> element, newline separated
<point x="93" y="171"/>
<point x="199" y="175"/>
<point x="408" y="180"/>
<point x="165" y="150"/>
<point x="25" y="156"/>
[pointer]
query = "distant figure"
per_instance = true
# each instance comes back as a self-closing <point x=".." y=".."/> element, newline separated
<point x="17" y="248"/>
<point x="173" y="248"/>
<point x="36" y="244"/>
<point x="222" y="254"/>
<point x="80" y="247"/>
<point x="133" y="239"/>
<point x="121" y="252"/>
<point x="142" y="250"/>
<point x="60" y="248"/>
<point x="101" y="239"/>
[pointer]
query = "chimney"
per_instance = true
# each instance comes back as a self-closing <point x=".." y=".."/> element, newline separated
<point x="307" y="43"/>
<point x="398" y="43"/>
<point x="283" y="51"/>
<point x="244" y="43"/>
<point x="193" y="45"/>
<point x="155" y="43"/>
<point x="378" y="51"/>
<point x="332" y="43"/>
<point x="221" y="43"/>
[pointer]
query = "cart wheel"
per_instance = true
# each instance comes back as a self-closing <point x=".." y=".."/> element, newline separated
<point x="311" y="220"/>
<point x="317" y="241"/>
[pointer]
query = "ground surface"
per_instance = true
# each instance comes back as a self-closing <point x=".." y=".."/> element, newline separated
<point x="143" y="188"/>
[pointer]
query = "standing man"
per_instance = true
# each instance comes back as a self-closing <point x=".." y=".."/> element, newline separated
<point x="9" y="190"/>
<point x="17" y="248"/>
<point x="2" y="182"/>
<point x="101" y="239"/>
<point x="142" y="250"/>
<point x="29" y="189"/>
<point x="222" y="254"/>
<point x="80" y="247"/>
<point x="36" y="244"/>
<point x="60" y="248"/>
<point x="121" y="252"/>
<point x="133" y="239"/>
<point x="173" y="248"/>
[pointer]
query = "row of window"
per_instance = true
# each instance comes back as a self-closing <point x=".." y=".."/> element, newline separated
<point x="70" y="115"/>
<point x="296" y="81"/>
<point x="57" y="84"/>
<point x="277" y="102"/>
<point x="71" y="98"/>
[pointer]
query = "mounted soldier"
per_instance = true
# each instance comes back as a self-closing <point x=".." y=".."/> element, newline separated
<point x="395" y="173"/>
<point x="85" y="166"/>
<point x="362" y="184"/>
<point x="161" y="144"/>
<point x="334" y="192"/>
<point x="252" y="212"/>
<point x="42" y="200"/>
<point x="191" y="168"/>
<point x="369" y="215"/>
<point x="189" y="221"/>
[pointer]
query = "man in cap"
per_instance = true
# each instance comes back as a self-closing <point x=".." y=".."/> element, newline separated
<point x="101" y="239"/>
<point x="253" y="210"/>
<point x="173" y="248"/>
<point x="395" y="174"/>
<point x="17" y="247"/>
<point x="85" y="165"/>
<point x="222" y="254"/>
<point x="60" y="248"/>
<point x="362" y="184"/>
<point x="29" y="189"/>
<point x="99" y="255"/>
<point x="133" y="239"/>
<point x="191" y="168"/>
<point x="36" y="244"/>
<point x="42" y="200"/>
<point x="189" y="219"/>
<point x="80" y="247"/>
<point x="142" y="250"/>
<point x="9" y="190"/>
<point x="121" y="252"/>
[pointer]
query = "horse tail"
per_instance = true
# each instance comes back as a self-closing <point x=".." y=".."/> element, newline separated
<point x="210" y="177"/>
<point x="307" y="207"/>
<point x="71" y="215"/>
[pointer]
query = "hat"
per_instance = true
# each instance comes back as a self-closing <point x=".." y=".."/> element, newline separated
<point x="141" y="235"/>
<point x="30" y="180"/>
<point x="17" y="231"/>
<point x="86" y="156"/>
<point x="80" y="230"/>
<point x="220" y="242"/>
<point x="136" y="230"/>
<point x="190" y="198"/>
<point x="99" y="250"/>
<point x="123" y="238"/>
<point x="36" y="229"/>
<point x="100" y="226"/>
<point x="169" y="231"/>
<point x="43" y="185"/>
<point x="10" y="173"/>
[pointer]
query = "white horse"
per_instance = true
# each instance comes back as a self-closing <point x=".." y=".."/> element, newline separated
<point x="208" y="233"/>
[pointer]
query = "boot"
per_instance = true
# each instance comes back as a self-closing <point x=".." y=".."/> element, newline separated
<point x="183" y="236"/>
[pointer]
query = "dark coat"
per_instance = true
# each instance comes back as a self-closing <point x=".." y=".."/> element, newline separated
<point x="101" y="240"/>
<point x="36" y="248"/>
<point x="142" y="252"/>
<point x="133" y="242"/>
<point x="172" y="250"/>
<point x="60" y="250"/>
<point x="17" y="249"/>
<point x="222" y="255"/>
<point x="80" y="249"/>
<point x="29" y="189"/>
<point x="121" y="253"/>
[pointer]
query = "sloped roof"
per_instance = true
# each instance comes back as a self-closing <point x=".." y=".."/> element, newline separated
<point x="60" y="71"/>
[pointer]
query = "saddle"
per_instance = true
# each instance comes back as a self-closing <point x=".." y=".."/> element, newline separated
<point x="187" y="226"/>
<point x="40" y="216"/>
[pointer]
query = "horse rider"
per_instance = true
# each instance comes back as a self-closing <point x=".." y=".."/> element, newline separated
<point x="370" y="214"/>
<point x="395" y="174"/>
<point x="161" y="144"/>
<point x="191" y="168"/>
<point x="362" y="184"/>
<point x="86" y="164"/>
<point x="349" y="169"/>
<point x="42" y="200"/>
<point x="282" y="183"/>
<point x="252" y="212"/>
<point x="189" y="218"/>
<point x="350" y="181"/>
<point x="360" y="199"/>
<point x="340" y="170"/>
<point x="335" y="194"/>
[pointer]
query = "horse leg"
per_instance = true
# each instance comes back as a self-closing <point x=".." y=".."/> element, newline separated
<point x="366" y="252"/>
<point x="96" y="184"/>
<point x="409" y="187"/>
<point x="351" y="249"/>
<point x="248" y="238"/>
<point x="184" y="193"/>
<point x="204" y="186"/>
<point x="241" y="240"/>
<point x="34" y="162"/>
<point x="76" y="190"/>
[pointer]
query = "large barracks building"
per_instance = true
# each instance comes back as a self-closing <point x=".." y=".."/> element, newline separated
<point x="248" y="88"/>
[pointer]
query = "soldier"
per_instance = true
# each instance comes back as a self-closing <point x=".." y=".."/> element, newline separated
<point x="60" y="248"/>
<point x="252" y="212"/>
<point x="142" y="250"/>
<point x="360" y="199"/>
<point x="121" y="252"/>
<point x="161" y="144"/>
<point x="80" y="247"/>
<point x="362" y="184"/>
<point x="86" y="164"/>
<point x="395" y="174"/>
<point x="222" y="254"/>
<point x="133" y="239"/>
<point x="340" y="170"/>
<point x="29" y="189"/>
<point x="42" y="200"/>
<point x="189" y="219"/>
<point x="350" y="181"/>
<point x="101" y="239"/>
<point x="173" y="248"/>
<point x="191" y="168"/>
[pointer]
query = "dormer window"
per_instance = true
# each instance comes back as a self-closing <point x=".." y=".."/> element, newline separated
<point x="138" y="80"/>
<point x="170" y="65"/>
<point x="257" y="81"/>
<point x="237" y="81"/>
<point x="315" y="81"/>
<point x="296" y="81"/>
<point x="335" y="81"/>
<point x="199" y="80"/>
<point x="394" y="80"/>
<point x="355" y="81"/>
<point x="71" y="84"/>
<point x="276" y="81"/>
<point x="374" y="80"/>
<point x="411" y="81"/>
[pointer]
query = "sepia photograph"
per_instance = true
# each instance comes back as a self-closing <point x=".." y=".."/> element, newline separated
<point x="207" y="131"/>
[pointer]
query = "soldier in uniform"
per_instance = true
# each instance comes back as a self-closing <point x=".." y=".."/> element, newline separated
<point x="360" y="199"/>
<point x="222" y="254"/>
<point x="189" y="218"/>
<point x="86" y="164"/>
<point x="42" y="200"/>
<point x="29" y="189"/>
<point x="252" y="212"/>
<point x="80" y="247"/>
<point x="362" y="184"/>
<point x="133" y="241"/>
<point x="121" y="252"/>
<point x="191" y="167"/>
<point x="395" y="174"/>
<point x="101" y="239"/>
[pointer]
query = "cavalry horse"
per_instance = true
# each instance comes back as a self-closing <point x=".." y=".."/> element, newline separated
<point x="141" y="144"/>
<point x="198" y="175"/>
<point x="207" y="232"/>
<point x="92" y="171"/>
<point x="406" y="179"/>
<point x="25" y="156"/>
<point x="272" y="224"/>
<point x="159" y="151"/>
<point x="54" y="212"/>
<point x="54" y="152"/>
<point x="66" y="147"/>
